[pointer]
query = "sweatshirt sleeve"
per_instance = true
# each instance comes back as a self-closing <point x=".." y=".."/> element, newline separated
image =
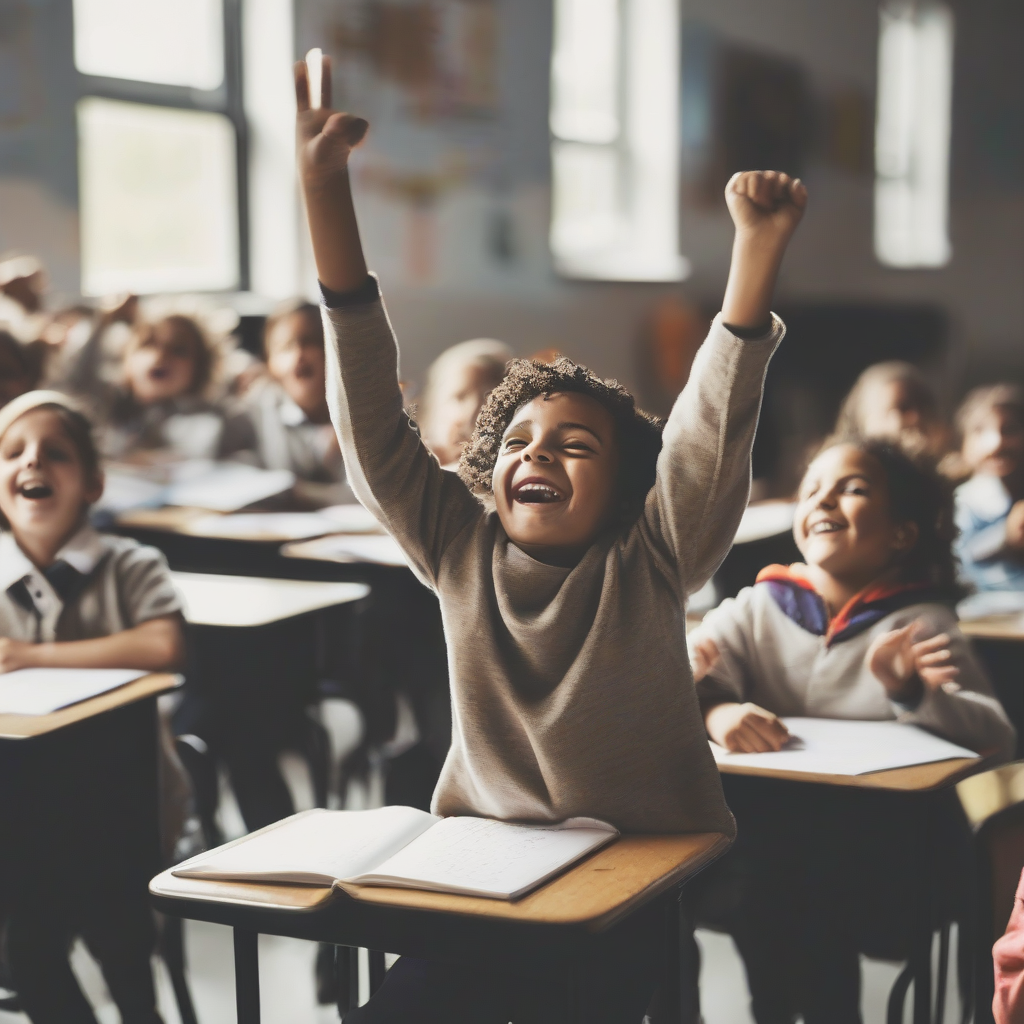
<point x="729" y="627"/>
<point x="1008" y="958"/>
<point x="967" y="711"/>
<point x="703" y="474"/>
<point x="390" y="471"/>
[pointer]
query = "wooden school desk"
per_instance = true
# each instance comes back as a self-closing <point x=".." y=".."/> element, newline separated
<point x="998" y="641"/>
<point x="917" y="782"/>
<point x="555" y="926"/>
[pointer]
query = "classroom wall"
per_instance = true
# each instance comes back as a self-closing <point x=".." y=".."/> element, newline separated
<point x="454" y="199"/>
<point x="489" y="271"/>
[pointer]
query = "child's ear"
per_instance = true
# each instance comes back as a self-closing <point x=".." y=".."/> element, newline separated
<point x="905" y="536"/>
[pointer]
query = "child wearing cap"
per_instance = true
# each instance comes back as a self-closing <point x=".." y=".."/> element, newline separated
<point x="73" y="598"/>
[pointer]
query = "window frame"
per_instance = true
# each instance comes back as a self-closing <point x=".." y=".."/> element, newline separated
<point x="227" y="100"/>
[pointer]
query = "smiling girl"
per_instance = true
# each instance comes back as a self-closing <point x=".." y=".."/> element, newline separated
<point x="864" y="628"/>
<point x="72" y="598"/>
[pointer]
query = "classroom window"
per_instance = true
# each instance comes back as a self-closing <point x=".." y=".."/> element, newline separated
<point x="915" y="78"/>
<point x="615" y="149"/>
<point x="162" y="141"/>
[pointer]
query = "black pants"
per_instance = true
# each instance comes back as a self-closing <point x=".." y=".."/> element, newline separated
<point x="819" y="875"/>
<point x="118" y="930"/>
<point x="613" y="985"/>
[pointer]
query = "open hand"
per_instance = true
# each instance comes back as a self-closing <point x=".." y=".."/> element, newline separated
<point x="15" y="654"/>
<point x="325" y="137"/>
<point x="745" y="728"/>
<point x="766" y="203"/>
<point x="901" y="657"/>
<point x="703" y="656"/>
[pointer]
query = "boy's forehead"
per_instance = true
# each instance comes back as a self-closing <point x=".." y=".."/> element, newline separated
<point x="36" y="423"/>
<point x="559" y="404"/>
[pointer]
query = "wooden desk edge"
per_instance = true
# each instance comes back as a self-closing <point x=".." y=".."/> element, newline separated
<point x="917" y="778"/>
<point x="293" y="899"/>
<point x="23" y="727"/>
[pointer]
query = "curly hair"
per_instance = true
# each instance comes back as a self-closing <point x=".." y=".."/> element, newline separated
<point x="637" y="434"/>
<point x="920" y="495"/>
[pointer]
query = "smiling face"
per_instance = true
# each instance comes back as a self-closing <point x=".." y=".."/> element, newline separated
<point x="295" y="359"/>
<point x="555" y="478"/>
<point x="994" y="443"/>
<point x="162" y="363"/>
<point x="843" y="524"/>
<point x="44" y="486"/>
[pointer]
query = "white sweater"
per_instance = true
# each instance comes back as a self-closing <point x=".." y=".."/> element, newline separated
<point x="767" y="658"/>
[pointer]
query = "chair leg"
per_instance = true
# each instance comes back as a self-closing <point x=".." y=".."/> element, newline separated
<point x="346" y="964"/>
<point x="172" y="949"/>
<point x="898" y="995"/>
<point x="377" y="970"/>
<point x="247" y="976"/>
<point x="940" y="988"/>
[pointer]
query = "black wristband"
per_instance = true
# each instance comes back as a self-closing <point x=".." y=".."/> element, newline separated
<point x="368" y="291"/>
<point x="751" y="333"/>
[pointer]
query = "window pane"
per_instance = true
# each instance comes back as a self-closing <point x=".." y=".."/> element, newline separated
<point x="174" y="42"/>
<point x="915" y="71"/>
<point x="585" y="198"/>
<point x="158" y="199"/>
<point x="585" y="71"/>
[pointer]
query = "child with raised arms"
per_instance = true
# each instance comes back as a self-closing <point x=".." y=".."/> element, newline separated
<point x="73" y="598"/>
<point x="562" y="559"/>
<point x="865" y="628"/>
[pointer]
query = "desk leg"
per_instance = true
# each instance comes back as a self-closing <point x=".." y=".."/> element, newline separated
<point x="247" y="976"/>
<point x="346" y="966"/>
<point x="376" y="969"/>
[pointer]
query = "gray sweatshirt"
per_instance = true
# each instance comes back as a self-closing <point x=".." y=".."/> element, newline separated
<point x="771" y="660"/>
<point x="571" y="687"/>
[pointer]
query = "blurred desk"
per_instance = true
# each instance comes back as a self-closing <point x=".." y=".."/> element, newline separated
<point x="213" y="600"/>
<point x="995" y="627"/>
<point x="349" y="549"/>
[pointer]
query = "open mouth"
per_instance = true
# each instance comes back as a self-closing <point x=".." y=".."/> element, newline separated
<point x="533" y="492"/>
<point x="35" y="491"/>
<point x="826" y="526"/>
<point x="159" y="373"/>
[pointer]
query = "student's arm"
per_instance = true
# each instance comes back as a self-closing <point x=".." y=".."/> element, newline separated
<point x="703" y="477"/>
<point x="722" y="655"/>
<point x="388" y="468"/>
<point x="156" y="645"/>
<point x="934" y="681"/>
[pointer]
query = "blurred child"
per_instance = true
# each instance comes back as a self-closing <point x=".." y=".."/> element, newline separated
<point x="990" y="506"/>
<point x="72" y="598"/>
<point x="458" y="382"/>
<point x="864" y="630"/>
<point x="562" y="597"/>
<point x="895" y="402"/>
<point x="288" y="416"/>
<point x="19" y="369"/>
<point x="159" y="405"/>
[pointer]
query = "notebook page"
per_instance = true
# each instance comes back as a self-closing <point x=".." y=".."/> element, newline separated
<point x="40" y="691"/>
<point x="314" y="847"/>
<point x="830" y="746"/>
<point x="481" y="857"/>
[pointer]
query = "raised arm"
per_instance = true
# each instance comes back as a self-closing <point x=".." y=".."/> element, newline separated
<point x="388" y="468"/>
<point x="703" y="478"/>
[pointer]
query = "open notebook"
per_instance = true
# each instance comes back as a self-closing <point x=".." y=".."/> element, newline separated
<point x="835" y="746"/>
<point x="405" y="848"/>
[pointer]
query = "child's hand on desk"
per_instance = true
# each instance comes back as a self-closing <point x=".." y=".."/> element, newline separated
<point x="703" y="656"/>
<point x="15" y="654"/>
<point x="904" y="663"/>
<point x="745" y="728"/>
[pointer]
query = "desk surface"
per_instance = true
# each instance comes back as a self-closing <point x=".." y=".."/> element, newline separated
<point x="917" y="778"/>
<point x="995" y="627"/>
<point x="212" y="600"/>
<point x="594" y="893"/>
<point x="348" y="549"/>
<point x="22" y="727"/>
